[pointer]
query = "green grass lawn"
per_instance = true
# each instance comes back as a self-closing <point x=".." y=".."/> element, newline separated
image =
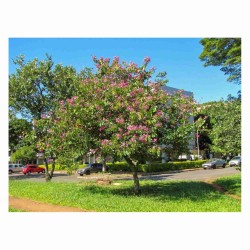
<point x="157" y="196"/>
<point x="11" y="209"/>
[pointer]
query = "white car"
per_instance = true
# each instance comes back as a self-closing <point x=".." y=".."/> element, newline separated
<point x="235" y="161"/>
<point x="15" y="168"/>
<point x="214" y="163"/>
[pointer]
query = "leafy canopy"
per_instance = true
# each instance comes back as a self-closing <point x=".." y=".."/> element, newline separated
<point x="223" y="52"/>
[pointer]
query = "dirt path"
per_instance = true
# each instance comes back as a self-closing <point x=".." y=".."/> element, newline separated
<point x="35" y="206"/>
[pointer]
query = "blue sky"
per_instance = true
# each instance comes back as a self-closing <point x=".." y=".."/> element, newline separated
<point x="179" y="57"/>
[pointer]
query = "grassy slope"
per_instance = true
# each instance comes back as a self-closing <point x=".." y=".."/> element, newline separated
<point x="157" y="196"/>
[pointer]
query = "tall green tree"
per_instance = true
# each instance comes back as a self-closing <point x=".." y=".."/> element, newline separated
<point x="18" y="131"/>
<point x="179" y="127"/>
<point x="36" y="87"/>
<point x="225" y="118"/>
<point x="24" y="154"/>
<point x="225" y="53"/>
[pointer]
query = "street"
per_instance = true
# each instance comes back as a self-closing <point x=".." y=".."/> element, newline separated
<point x="188" y="175"/>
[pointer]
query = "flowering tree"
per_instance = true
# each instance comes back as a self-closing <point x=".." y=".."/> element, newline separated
<point x="118" y="112"/>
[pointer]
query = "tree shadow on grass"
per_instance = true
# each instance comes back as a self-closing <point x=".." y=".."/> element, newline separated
<point x="162" y="191"/>
<point x="233" y="186"/>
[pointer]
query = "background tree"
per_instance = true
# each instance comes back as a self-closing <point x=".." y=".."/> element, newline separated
<point x="18" y="131"/>
<point x="223" y="52"/>
<point x="179" y="127"/>
<point x="203" y="133"/>
<point x="25" y="154"/>
<point x="225" y="117"/>
<point x="36" y="88"/>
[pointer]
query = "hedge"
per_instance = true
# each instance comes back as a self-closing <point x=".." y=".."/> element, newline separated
<point x="156" y="167"/>
<point x="146" y="168"/>
<point x="160" y="167"/>
<point x="59" y="167"/>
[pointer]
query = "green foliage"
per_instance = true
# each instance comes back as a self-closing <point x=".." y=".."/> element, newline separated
<point x="225" y="118"/>
<point x="156" y="167"/>
<point x="159" y="167"/>
<point x="24" y="154"/>
<point x="223" y="52"/>
<point x="119" y="166"/>
<point x="18" y="130"/>
<point x="178" y="129"/>
<point x="59" y="167"/>
<point x="36" y="86"/>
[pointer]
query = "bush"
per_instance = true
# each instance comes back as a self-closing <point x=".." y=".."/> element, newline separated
<point x="118" y="166"/>
<point x="156" y="167"/>
<point x="146" y="168"/>
<point x="63" y="167"/>
<point x="160" y="167"/>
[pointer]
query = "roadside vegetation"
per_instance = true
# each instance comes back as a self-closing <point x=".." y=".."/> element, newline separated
<point x="157" y="196"/>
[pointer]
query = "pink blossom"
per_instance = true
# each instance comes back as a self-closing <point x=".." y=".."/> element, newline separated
<point x="158" y="124"/>
<point x="123" y="84"/>
<point x="101" y="128"/>
<point x="119" y="120"/>
<point x="104" y="142"/>
<point x="132" y="127"/>
<point x="118" y="136"/>
<point x="132" y="139"/>
<point x="116" y="59"/>
<point x="130" y="109"/>
<point x="146" y="59"/>
<point x="143" y="138"/>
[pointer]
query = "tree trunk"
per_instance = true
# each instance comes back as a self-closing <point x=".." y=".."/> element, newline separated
<point x="134" y="167"/>
<point x="53" y="168"/>
<point x="137" y="189"/>
<point x="104" y="167"/>
<point x="48" y="175"/>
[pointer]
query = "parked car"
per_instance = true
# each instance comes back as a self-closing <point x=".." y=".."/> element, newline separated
<point x="189" y="157"/>
<point x="214" y="163"/>
<point x="32" y="168"/>
<point x="235" y="161"/>
<point x="91" y="168"/>
<point x="15" y="168"/>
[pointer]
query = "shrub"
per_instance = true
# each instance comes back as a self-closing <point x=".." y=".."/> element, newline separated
<point x="118" y="166"/>
<point x="160" y="167"/>
<point x="146" y="168"/>
<point x="62" y="167"/>
<point x="156" y="167"/>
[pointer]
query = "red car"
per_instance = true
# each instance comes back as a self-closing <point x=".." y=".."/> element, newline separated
<point x="32" y="168"/>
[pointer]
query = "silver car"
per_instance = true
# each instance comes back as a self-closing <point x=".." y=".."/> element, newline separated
<point x="15" y="168"/>
<point x="214" y="163"/>
<point x="235" y="161"/>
